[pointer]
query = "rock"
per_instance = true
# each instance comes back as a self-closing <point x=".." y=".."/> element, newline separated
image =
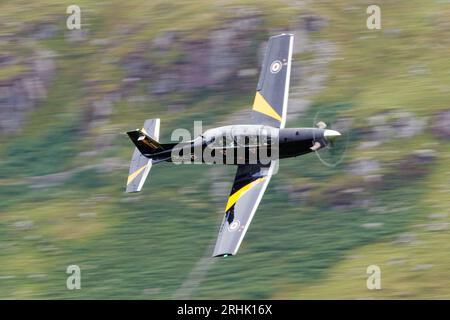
<point x="100" y="42"/>
<point x="406" y="238"/>
<point x="136" y="65"/>
<point x="24" y="225"/>
<point x="164" y="41"/>
<point x="343" y="196"/>
<point x="305" y="25"/>
<point x="424" y="156"/>
<point x="414" y="166"/>
<point x="299" y="194"/>
<point x="438" y="215"/>
<point x="418" y="70"/>
<point x="165" y="84"/>
<point x="440" y="125"/>
<point x="49" y="180"/>
<point x="396" y="261"/>
<point x="314" y="23"/>
<point x="406" y="125"/>
<point x="364" y="166"/>
<point x="211" y="61"/>
<point x="368" y="144"/>
<point x="419" y="267"/>
<point x="43" y="65"/>
<point x="229" y="47"/>
<point x="373" y="179"/>
<point x="21" y="93"/>
<point x="395" y="124"/>
<point x="98" y="113"/>
<point x="392" y="31"/>
<point x="43" y="31"/>
<point x="111" y="164"/>
<point x="76" y="35"/>
<point x="6" y="59"/>
<point x="195" y="70"/>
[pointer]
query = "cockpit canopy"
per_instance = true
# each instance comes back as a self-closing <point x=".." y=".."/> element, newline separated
<point x="240" y="136"/>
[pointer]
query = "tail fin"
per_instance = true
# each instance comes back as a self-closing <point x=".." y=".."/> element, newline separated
<point x="146" y="141"/>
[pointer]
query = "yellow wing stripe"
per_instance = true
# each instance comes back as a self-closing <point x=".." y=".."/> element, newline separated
<point x="133" y="176"/>
<point x="261" y="105"/>
<point x="235" y="196"/>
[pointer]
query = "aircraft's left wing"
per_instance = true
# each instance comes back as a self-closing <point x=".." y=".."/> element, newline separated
<point x="248" y="188"/>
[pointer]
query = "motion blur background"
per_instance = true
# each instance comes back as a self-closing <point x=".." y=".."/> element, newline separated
<point x="67" y="97"/>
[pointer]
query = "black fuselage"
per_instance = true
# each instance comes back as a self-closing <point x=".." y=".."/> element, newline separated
<point x="239" y="149"/>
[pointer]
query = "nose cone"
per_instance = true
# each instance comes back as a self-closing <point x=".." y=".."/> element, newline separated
<point x="331" y="135"/>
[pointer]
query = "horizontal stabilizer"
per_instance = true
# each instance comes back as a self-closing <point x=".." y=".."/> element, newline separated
<point x="139" y="168"/>
<point x="146" y="142"/>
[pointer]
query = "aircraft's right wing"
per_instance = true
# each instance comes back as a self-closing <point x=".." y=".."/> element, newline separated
<point x="270" y="105"/>
<point x="248" y="188"/>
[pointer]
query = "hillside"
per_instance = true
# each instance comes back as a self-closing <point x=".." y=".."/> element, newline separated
<point x="67" y="97"/>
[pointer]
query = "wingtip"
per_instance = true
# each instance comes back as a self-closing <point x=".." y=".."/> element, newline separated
<point x="282" y="34"/>
<point x="225" y="255"/>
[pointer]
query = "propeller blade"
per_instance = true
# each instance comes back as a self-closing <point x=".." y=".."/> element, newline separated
<point x="321" y="125"/>
<point x="316" y="146"/>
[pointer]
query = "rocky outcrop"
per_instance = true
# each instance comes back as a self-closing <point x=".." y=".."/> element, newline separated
<point x="22" y="93"/>
<point x="364" y="166"/>
<point x="370" y="176"/>
<point x="409" y="169"/>
<point x="198" y="63"/>
<point x="391" y="125"/>
<point x="440" y="125"/>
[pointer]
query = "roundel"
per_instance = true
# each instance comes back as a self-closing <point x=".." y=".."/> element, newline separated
<point x="276" y="66"/>
<point x="234" y="225"/>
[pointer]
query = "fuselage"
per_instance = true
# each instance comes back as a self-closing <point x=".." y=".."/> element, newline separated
<point x="245" y="144"/>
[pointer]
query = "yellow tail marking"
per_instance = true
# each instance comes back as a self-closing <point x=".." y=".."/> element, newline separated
<point x="261" y="105"/>
<point x="235" y="196"/>
<point x="132" y="176"/>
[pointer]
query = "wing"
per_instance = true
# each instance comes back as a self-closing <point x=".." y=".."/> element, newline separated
<point x="270" y="105"/>
<point x="248" y="188"/>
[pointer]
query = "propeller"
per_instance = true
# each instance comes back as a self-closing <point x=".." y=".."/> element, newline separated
<point x="331" y="150"/>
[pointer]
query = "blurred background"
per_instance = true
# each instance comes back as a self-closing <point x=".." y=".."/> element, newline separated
<point x="68" y="96"/>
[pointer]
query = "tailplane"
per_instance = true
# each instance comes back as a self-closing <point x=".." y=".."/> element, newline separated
<point x="146" y="142"/>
